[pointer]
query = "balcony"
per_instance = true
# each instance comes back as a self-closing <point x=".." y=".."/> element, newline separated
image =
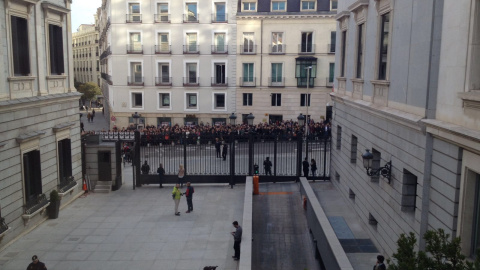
<point x="135" y="81"/>
<point x="306" y="49"/>
<point x="250" y="49"/>
<point x="219" y="81"/>
<point x="219" y="18"/>
<point x="163" y="81"/>
<point x="191" y="49"/>
<point x="329" y="82"/>
<point x="162" y="18"/>
<point x="276" y="82"/>
<point x="133" y="18"/>
<point x="247" y="81"/>
<point x="331" y="48"/>
<point x="219" y="49"/>
<point x="163" y="49"/>
<point x="135" y="49"/>
<point x="302" y="82"/>
<point x="191" y="81"/>
<point x="106" y="53"/>
<point x="107" y="77"/>
<point x="190" y="18"/>
<point x="278" y="49"/>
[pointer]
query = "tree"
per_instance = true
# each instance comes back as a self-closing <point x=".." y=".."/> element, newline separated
<point x="440" y="253"/>
<point x="89" y="91"/>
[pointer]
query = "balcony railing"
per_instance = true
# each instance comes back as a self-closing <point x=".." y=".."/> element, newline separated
<point x="250" y="49"/>
<point x="278" y="49"/>
<point x="190" y="18"/>
<point x="302" y="82"/>
<point x="329" y="81"/>
<point x="135" y="80"/>
<point x="106" y="53"/>
<point x="276" y="82"/>
<point x="135" y="49"/>
<point x="107" y="78"/>
<point x="219" y="81"/>
<point x="191" y="49"/>
<point x="133" y="18"/>
<point x="191" y="81"/>
<point x="163" y="81"/>
<point x="247" y="81"/>
<point x="306" y="48"/>
<point x="162" y="18"/>
<point x="219" y="18"/>
<point x="331" y="48"/>
<point x="163" y="49"/>
<point x="219" y="49"/>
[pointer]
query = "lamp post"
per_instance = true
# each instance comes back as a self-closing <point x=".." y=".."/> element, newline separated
<point x="301" y="119"/>
<point x="232" y="118"/>
<point x="385" y="171"/>
<point x="307" y="102"/>
<point x="135" y="117"/>
<point x="250" y="119"/>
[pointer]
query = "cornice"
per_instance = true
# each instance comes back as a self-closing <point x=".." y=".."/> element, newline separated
<point x="455" y="134"/>
<point x="284" y="17"/>
<point x="360" y="3"/>
<point x="37" y="101"/>
<point x="342" y="15"/>
<point x="50" y="6"/>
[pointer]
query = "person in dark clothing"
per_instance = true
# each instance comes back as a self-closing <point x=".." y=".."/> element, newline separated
<point x="93" y="115"/>
<point x="306" y="166"/>
<point x="161" y="173"/>
<point x="36" y="264"/>
<point x="380" y="265"/>
<point x="267" y="166"/>
<point x="224" y="151"/>
<point x="313" y="167"/>
<point x="145" y="168"/>
<point x="217" y="147"/>
<point x="237" y="238"/>
<point x="189" y="194"/>
<point x="82" y="127"/>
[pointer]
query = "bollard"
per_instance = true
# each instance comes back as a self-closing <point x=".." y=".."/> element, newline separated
<point x="255" y="185"/>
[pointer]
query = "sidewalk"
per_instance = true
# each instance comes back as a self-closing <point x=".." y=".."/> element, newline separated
<point x="135" y="229"/>
<point x="99" y="121"/>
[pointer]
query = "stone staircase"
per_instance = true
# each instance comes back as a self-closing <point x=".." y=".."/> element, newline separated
<point x="103" y="187"/>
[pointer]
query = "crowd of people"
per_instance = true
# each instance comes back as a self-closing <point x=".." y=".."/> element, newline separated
<point x="204" y="133"/>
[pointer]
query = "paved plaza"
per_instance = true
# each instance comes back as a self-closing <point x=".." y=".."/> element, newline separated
<point x="135" y="229"/>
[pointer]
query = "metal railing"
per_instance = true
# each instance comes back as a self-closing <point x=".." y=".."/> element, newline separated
<point x="306" y="48"/>
<point x="331" y="48"/>
<point x="250" y="49"/>
<point x="191" y="81"/>
<point x="247" y="81"/>
<point x="219" y="49"/>
<point x="162" y="18"/>
<point x="278" y="49"/>
<point x="193" y="49"/>
<point x="35" y="204"/>
<point x="134" y="80"/>
<point x="163" y="49"/>
<point x="219" y="18"/>
<point x="276" y="82"/>
<point x="163" y="81"/>
<point x="219" y="81"/>
<point x="302" y="82"/>
<point x="190" y="18"/>
<point x="133" y="18"/>
<point x="134" y="49"/>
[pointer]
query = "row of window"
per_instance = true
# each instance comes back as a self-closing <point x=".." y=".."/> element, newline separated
<point x="191" y="44"/>
<point x="281" y="5"/>
<point x="84" y="43"/>
<point x="21" y="48"/>
<point x="137" y="100"/>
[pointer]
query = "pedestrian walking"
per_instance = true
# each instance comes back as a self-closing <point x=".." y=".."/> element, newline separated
<point x="237" y="238"/>
<point x="89" y="116"/>
<point x="189" y="195"/>
<point x="93" y="114"/>
<point x="161" y="173"/>
<point x="103" y="110"/>
<point x="313" y="167"/>
<point x="181" y="175"/>
<point x="267" y="166"/>
<point x="36" y="264"/>
<point x="224" y="151"/>
<point x="306" y="166"/>
<point x="82" y="127"/>
<point x="145" y="168"/>
<point x="217" y="147"/>
<point x="380" y="265"/>
<point x="176" y="194"/>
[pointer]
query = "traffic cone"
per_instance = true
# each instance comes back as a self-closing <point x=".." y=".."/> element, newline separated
<point x="85" y="186"/>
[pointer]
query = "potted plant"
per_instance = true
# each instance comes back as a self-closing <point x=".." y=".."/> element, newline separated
<point x="54" y="206"/>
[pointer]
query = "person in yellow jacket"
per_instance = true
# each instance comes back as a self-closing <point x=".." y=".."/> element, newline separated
<point x="176" y="194"/>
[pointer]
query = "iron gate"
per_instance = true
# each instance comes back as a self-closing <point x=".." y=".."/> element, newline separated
<point x="199" y="156"/>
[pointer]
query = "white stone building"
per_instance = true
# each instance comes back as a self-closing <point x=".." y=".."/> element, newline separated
<point x="277" y="42"/>
<point x="40" y="134"/>
<point x="86" y="55"/>
<point x="170" y="61"/>
<point x="406" y="88"/>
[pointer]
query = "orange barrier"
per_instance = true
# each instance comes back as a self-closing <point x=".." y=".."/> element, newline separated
<point x="85" y="185"/>
<point x="256" y="185"/>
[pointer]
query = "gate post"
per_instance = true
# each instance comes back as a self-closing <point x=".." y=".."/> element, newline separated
<point x="184" y="135"/>
<point x="299" y="155"/>
<point x="325" y="158"/>
<point x="136" y="160"/>
<point x="232" y="160"/>
<point x="275" y="144"/>
<point x="250" y="153"/>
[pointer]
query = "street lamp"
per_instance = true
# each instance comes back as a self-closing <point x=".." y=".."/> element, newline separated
<point x="232" y="118"/>
<point x="250" y="119"/>
<point x="385" y="171"/>
<point x="135" y="117"/>
<point x="301" y="119"/>
<point x="307" y="102"/>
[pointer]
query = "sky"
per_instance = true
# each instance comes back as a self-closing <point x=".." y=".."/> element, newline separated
<point x="83" y="11"/>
